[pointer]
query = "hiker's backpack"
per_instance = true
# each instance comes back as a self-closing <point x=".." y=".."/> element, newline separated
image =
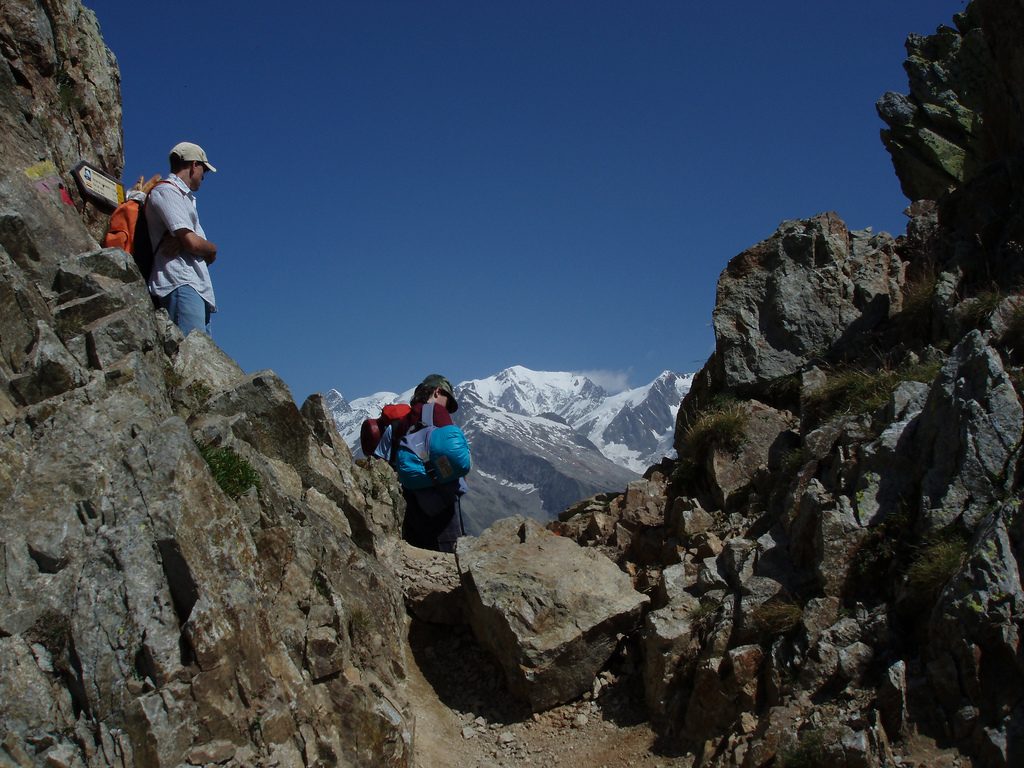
<point x="128" y="228"/>
<point x="372" y="430"/>
<point x="430" y="456"/>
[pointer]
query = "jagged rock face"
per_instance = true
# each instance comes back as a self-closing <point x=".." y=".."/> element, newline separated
<point x="964" y="107"/>
<point x="801" y="294"/>
<point x="60" y="102"/>
<point x="146" y="616"/>
<point x="153" y="615"/>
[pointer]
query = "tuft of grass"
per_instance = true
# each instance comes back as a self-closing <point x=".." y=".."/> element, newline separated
<point x="916" y="317"/>
<point x="724" y="427"/>
<point x="776" y="617"/>
<point x="858" y="390"/>
<point x="785" y="390"/>
<point x="976" y="311"/>
<point x="934" y="564"/>
<point x="360" y="620"/>
<point x="704" y="613"/>
<point x="233" y="472"/>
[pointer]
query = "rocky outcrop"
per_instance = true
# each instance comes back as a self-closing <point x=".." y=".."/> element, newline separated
<point x="194" y="570"/>
<point x="148" y="617"/>
<point x="804" y="293"/>
<point x="60" y="102"/>
<point x="964" y="108"/>
<point x="551" y="612"/>
<point x="837" y="558"/>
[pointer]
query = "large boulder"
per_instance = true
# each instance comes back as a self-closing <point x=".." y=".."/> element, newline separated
<point x="974" y="643"/>
<point x="801" y="293"/>
<point x="551" y="612"/>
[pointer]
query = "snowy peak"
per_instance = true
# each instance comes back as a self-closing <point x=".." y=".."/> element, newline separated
<point x="337" y="403"/>
<point x="532" y="393"/>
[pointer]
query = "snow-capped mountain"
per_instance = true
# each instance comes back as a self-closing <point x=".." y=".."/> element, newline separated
<point x="633" y="428"/>
<point x="542" y="441"/>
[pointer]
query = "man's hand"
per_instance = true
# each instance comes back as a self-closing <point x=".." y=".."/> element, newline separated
<point x="188" y="241"/>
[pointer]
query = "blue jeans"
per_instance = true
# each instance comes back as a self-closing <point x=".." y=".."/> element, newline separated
<point x="187" y="309"/>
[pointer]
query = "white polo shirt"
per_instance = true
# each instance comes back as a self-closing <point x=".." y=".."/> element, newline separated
<point x="168" y="209"/>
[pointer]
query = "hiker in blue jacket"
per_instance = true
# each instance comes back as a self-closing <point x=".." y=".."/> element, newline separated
<point x="423" y="528"/>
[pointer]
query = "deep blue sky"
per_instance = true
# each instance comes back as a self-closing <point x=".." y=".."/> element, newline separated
<point x="457" y="187"/>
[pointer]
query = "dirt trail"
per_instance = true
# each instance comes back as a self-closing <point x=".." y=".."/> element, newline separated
<point x="465" y="717"/>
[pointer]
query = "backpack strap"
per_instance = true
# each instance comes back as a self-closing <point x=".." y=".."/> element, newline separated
<point x="426" y="422"/>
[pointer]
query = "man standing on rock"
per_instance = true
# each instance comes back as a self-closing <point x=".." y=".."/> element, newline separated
<point x="182" y="255"/>
<point x="438" y="526"/>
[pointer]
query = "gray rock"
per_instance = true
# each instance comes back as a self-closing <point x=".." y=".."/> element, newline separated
<point x="550" y="611"/>
<point x="730" y="471"/>
<point x="671" y="645"/>
<point x="969" y="435"/>
<point x="199" y="359"/>
<point x="797" y="294"/>
<point x="892" y="700"/>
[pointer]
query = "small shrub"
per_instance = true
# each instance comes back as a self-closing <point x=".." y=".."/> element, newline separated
<point x="52" y="630"/>
<point x="792" y="463"/>
<point x="233" y="473"/>
<point x="881" y="545"/>
<point x="777" y="617"/>
<point x="172" y="379"/>
<point x="809" y="752"/>
<point x="200" y="390"/>
<point x="934" y="564"/>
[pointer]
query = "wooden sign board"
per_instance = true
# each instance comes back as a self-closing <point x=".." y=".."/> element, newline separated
<point x="99" y="188"/>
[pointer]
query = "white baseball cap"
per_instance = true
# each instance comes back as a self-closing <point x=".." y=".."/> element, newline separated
<point x="187" y="152"/>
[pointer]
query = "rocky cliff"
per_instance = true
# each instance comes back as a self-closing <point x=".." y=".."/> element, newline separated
<point x="193" y="571"/>
<point x="191" y="567"/>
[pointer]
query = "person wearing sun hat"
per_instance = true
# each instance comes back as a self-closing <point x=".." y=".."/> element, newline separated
<point x="439" y="530"/>
<point x="182" y="255"/>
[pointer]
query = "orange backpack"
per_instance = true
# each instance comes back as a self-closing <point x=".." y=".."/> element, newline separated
<point x="128" y="228"/>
